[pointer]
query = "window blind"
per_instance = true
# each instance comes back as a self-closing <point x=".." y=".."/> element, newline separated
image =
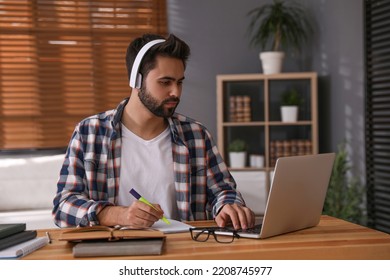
<point x="377" y="53"/>
<point x="61" y="61"/>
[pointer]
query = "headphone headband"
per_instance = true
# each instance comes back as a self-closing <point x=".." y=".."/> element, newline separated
<point x="135" y="76"/>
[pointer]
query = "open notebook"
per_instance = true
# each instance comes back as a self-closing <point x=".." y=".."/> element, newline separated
<point x="296" y="196"/>
<point x="173" y="227"/>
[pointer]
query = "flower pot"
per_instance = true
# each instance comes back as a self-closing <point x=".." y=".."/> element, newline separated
<point x="272" y="62"/>
<point x="256" y="161"/>
<point x="289" y="113"/>
<point x="237" y="159"/>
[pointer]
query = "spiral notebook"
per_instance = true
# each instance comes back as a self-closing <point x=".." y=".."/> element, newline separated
<point x="23" y="249"/>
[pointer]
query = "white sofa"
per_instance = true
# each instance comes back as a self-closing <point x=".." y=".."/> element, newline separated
<point x="28" y="186"/>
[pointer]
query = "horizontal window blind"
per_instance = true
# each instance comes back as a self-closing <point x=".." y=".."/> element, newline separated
<point x="61" y="61"/>
<point x="377" y="46"/>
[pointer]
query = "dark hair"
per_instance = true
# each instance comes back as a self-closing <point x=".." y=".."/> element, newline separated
<point x="172" y="47"/>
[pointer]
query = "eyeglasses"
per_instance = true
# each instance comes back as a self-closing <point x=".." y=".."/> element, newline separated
<point x="202" y="234"/>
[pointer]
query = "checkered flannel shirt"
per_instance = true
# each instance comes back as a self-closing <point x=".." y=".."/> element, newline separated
<point x="89" y="177"/>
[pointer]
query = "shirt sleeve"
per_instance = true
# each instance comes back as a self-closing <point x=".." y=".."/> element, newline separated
<point x="71" y="205"/>
<point x="220" y="183"/>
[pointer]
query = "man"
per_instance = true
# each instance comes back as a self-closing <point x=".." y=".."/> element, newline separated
<point x="169" y="158"/>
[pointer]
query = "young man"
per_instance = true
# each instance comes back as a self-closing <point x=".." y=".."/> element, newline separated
<point x="168" y="158"/>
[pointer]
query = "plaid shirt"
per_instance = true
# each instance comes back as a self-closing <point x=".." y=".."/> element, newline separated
<point x="89" y="177"/>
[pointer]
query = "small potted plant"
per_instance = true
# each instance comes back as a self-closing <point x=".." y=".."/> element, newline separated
<point x="276" y="27"/>
<point x="237" y="153"/>
<point x="290" y="105"/>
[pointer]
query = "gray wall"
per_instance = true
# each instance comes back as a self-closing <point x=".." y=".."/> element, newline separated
<point x="216" y="33"/>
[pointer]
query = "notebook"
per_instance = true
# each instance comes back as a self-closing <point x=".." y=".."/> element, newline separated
<point x="296" y="196"/>
<point x="17" y="238"/>
<point x="10" y="229"/>
<point x="23" y="249"/>
<point x="174" y="226"/>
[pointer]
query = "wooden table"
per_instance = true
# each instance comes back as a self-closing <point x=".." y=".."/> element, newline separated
<point x="333" y="239"/>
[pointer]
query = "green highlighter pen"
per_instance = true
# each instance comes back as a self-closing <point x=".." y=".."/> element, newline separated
<point x="134" y="193"/>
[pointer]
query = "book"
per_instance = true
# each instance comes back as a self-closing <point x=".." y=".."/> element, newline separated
<point x="240" y="108"/>
<point x="108" y="233"/>
<point x="23" y="249"/>
<point x="17" y="238"/>
<point x="117" y="233"/>
<point x="232" y="109"/>
<point x="9" y="229"/>
<point x="133" y="247"/>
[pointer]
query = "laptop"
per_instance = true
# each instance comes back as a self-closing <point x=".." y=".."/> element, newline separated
<point x="296" y="196"/>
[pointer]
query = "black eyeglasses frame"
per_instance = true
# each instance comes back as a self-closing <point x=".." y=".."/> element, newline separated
<point x="197" y="231"/>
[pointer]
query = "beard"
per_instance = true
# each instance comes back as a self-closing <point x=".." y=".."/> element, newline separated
<point x="157" y="108"/>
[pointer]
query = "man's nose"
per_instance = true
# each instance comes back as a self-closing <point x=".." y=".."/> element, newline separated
<point x="176" y="91"/>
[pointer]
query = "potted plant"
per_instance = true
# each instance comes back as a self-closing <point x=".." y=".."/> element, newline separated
<point x="346" y="194"/>
<point x="290" y="105"/>
<point x="237" y="153"/>
<point x="276" y="27"/>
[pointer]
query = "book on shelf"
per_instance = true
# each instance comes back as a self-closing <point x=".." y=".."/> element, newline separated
<point x="124" y="247"/>
<point x="9" y="229"/>
<point x="17" y="238"/>
<point x="286" y="148"/>
<point x="232" y="109"/>
<point x="23" y="249"/>
<point x="240" y="108"/>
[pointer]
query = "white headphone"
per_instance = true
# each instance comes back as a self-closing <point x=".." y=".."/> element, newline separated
<point x="135" y="76"/>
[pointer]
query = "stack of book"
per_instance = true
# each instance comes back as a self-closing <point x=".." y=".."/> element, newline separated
<point x="99" y="241"/>
<point x="240" y="108"/>
<point x="16" y="241"/>
<point x="286" y="148"/>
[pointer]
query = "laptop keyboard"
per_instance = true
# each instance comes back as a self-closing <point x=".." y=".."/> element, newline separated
<point x="255" y="229"/>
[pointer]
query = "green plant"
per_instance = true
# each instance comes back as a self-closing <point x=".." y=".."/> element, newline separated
<point x="345" y="194"/>
<point x="291" y="98"/>
<point x="281" y="24"/>
<point x="237" y="145"/>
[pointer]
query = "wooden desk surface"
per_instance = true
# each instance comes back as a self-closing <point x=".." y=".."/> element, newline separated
<point x="332" y="239"/>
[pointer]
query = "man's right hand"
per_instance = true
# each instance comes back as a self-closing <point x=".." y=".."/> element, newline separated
<point x="138" y="214"/>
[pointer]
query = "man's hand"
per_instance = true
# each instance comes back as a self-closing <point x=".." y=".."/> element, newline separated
<point x="238" y="216"/>
<point x="137" y="214"/>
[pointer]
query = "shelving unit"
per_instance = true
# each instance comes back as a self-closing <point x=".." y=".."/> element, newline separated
<point x="261" y="127"/>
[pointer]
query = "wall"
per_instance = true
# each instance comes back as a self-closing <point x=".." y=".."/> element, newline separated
<point x="339" y="60"/>
<point x="216" y="32"/>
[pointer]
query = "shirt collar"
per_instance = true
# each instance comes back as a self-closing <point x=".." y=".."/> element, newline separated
<point x="174" y="130"/>
<point x="118" y="112"/>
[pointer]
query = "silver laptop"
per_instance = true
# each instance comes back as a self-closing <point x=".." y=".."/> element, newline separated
<point x="296" y="196"/>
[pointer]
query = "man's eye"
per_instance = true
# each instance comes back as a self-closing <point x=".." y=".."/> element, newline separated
<point x="165" y="83"/>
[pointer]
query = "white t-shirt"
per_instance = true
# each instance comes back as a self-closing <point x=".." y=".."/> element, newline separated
<point x="147" y="166"/>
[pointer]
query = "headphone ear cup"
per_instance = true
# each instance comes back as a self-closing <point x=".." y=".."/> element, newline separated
<point x="138" y="82"/>
<point x="135" y="76"/>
